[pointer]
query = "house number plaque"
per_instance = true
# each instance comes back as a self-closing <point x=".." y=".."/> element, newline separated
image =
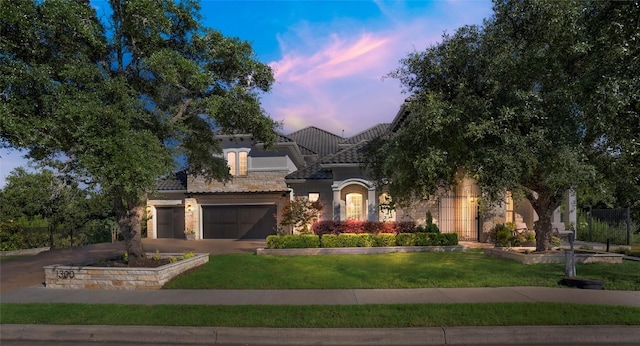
<point x="65" y="274"/>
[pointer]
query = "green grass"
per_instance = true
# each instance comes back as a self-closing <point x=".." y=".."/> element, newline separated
<point x="341" y="316"/>
<point x="397" y="270"/>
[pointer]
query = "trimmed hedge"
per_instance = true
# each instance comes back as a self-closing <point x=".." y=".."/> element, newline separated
<point x="291" y="241"/>
<point x="361" y="240"/>
<point x="427" y="239"/>
<point x="384" y="239"/>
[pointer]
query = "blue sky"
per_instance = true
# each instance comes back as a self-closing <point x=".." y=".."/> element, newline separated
<point x="329" y="57"/>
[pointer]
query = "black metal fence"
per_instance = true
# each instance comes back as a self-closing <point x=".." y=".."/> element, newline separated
<point x="613" y="226"/>
<point x="16" y="238"/>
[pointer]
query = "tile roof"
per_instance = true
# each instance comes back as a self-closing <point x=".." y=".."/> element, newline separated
<point x="311" y="172"/>
<point x="173" y="182"/>
<point x="320" y="141"/>
<point x="304" y="150"/>
<point x="351" y="155"/>
<point x="368" y="134"/>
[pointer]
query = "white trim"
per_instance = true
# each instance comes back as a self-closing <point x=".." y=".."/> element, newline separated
<point x="164" y="202"/>
<point x="339" y="185"/>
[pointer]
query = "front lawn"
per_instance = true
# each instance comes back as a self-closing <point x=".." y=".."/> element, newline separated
<point x="322" y="316"/>
<point x="396" y="270"/>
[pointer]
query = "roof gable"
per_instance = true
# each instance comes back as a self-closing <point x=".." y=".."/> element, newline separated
<point x="320" y="141"/>
<point x="367" y="135"/>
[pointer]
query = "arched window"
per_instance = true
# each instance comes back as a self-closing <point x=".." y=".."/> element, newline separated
<point x="354" y="206"/>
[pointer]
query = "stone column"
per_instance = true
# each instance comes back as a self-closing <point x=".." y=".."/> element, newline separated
<point x="192" y="215"/>
<point x="336" y="203"/>
<point x="372" y="208"/>
<point x="570" y="210"/>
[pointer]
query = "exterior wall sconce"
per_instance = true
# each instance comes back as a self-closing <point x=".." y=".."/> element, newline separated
<point x="189" y="207"/>
<point x="148" y="210"/>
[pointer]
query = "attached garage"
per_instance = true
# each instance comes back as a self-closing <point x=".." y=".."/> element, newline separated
<point x="238" y="222"/>
<point x="170" y="222"/>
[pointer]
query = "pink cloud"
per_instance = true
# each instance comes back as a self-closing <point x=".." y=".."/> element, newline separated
<point x="339" y="85"/>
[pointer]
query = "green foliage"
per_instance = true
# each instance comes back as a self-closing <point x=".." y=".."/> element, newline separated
<point x="291" y="241"/>
<point x="384" y="239"/>
<point x="38" y="201"/>
<point x="189" y="254"/>
<point x="427" y="239"/>
<point x="329" y="240"/>
<point x="501" y="235"/>
<point x="405" y="239"/>
<point x="115" y="102"/>
<point x="355" y="240"/>
<point x="301" y="214"/>
<point x="524" y="103"/>
<point x="364" y="240"/>
<point x="601" y="231"/>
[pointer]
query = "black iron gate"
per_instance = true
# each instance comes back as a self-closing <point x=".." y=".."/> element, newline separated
<point x="459" y="214"/>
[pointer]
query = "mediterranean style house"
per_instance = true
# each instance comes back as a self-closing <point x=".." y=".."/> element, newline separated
<point x="318" y="165"/>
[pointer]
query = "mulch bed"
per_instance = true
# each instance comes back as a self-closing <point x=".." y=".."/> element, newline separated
<point x="131" y="263"/>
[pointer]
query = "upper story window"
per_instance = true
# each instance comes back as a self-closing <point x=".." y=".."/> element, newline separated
<point x="238" y="163"/>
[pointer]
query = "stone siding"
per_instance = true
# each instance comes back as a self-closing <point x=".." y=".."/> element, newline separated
<point x="114" y="278"/>
<point x="253" y="182"/>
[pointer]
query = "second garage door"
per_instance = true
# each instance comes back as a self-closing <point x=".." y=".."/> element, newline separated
<point x="238" y="222"/>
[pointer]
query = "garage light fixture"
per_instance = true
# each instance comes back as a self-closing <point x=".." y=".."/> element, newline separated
<point x="189" y="208"/>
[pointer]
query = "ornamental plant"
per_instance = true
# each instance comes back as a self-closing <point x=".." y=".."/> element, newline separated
<point x="301" y="213"/>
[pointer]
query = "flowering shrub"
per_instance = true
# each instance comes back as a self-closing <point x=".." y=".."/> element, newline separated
<point x="372" y="227"/>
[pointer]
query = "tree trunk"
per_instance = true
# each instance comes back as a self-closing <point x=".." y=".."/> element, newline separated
<point x="543" y="230"/>
<point x="544" y="203"/>
<point x="129" y="220"/>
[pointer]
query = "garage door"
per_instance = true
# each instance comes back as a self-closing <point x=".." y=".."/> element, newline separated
<point x="170" y="222"/>
<point x="238" y="222"/>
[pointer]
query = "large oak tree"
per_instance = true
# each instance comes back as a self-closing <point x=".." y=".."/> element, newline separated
<point x="542" y="98"/>
<point x="117" y="100"/>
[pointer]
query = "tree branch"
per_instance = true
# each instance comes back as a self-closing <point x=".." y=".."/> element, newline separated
<point x="181" y="112"/>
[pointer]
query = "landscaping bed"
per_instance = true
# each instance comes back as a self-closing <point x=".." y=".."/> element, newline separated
<point x="362" y="240"/>
<point x="120" y="277"/>
<point x="359" y="250"/>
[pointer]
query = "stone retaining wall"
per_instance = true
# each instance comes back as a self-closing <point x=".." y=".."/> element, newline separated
<point x="116" y="278"/>
<point x="359" y="250"/>
<point x="581" y="256"/>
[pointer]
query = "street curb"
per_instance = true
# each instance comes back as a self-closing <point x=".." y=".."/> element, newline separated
<point x="583" y="335"/>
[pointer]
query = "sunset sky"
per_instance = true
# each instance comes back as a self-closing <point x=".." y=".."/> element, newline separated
<point x="329" y="57"/>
